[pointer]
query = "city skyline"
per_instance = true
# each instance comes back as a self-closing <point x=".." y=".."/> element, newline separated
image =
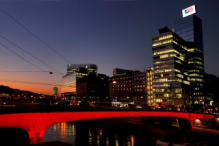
<point x="110" y="34"/>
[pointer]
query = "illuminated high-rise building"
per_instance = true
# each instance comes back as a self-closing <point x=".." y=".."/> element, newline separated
<point x="190" y="29"/>
<point x="82" y="70"/>
<point x="149" y="87"/>
<point x="74" y="73"/>
<point x="170" y="63"/>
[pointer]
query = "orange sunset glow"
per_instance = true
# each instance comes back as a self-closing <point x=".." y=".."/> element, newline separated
<point x="33" y="82"/>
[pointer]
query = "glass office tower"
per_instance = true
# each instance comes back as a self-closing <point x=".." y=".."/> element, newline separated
<point x="69" y="84"/>
<point x="190" y="29"/>
<point x="82" y="70"/>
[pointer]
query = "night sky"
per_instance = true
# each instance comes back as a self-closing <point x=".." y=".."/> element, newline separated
<point x="108" y="33"/>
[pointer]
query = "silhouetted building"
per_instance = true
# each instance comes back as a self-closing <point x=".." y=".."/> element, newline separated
<point x="93" y="88"/>
<point x="211" y="91"/>
<point x="127" y="87"/>
<point x="55" y="91"/>
<point x="119" y="71"/>
<point x="121" y="90"/>
<point x="139" y="88"/>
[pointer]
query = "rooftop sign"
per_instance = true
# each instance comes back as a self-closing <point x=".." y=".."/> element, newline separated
<point x="189" y="11"/>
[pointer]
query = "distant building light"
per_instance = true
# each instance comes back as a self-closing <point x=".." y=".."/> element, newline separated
<point x="116" y="102"/>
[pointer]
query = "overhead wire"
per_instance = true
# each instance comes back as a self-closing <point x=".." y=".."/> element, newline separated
<point x="30" y="54"/>
<point x="22" y="71"/>
<point x="38" y="38"/>
<point x="34" y="83"/>
<point x="22" y="57"/>
<point x="18" y="71"/>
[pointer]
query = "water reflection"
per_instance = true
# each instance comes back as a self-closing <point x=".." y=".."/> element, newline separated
<point x="99" y="136"/>
<point x="92" y="133"/>
<point x="65" y="132"/>
<point x="82" y="133"/>
<point x="90" y="137"/>
<point x="117" y="140"/>
<point x="132" y="140"/>
<point x="63" y="129"/>
<point x="107" y="141"/>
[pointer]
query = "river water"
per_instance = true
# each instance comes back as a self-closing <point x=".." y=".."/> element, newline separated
<point x="107" y="133"/>
<point x="90" y="133"/>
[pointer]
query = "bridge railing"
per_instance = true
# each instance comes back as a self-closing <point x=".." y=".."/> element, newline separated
<point x="28" y="106"/>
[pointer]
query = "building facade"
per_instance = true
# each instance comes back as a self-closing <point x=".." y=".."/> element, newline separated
<point x="139" y="88"/>
<point x="170" y="65"/>
<point x="121" y="90"/>
<point x="211" y="91"/>
<point x="190" y="29"/>
<point x="149" y="87"/>
<point x="82" y="70"/>
<point x="127" y="87"/>
<point x="93" y="88"/>
<point x="68" y="87"/>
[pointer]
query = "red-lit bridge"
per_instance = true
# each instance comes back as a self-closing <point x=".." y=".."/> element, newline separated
<point x="36" y="123"/>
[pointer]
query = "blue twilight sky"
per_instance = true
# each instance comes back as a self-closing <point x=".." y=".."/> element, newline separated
<point x="109" y="33"/>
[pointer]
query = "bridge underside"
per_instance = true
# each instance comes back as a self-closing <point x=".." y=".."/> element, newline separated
<point x="167" y="123"/>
